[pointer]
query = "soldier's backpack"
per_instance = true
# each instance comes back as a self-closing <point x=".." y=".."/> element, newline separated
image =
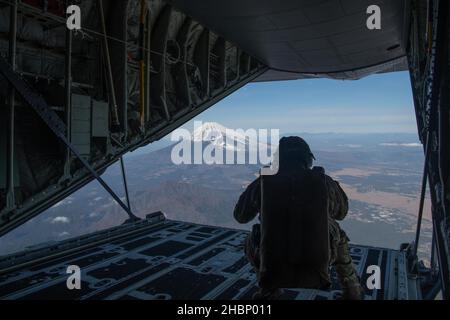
<point x="294" y="231"/>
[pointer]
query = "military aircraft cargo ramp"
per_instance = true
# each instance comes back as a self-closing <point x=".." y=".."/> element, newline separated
<point x="157" y="258"/>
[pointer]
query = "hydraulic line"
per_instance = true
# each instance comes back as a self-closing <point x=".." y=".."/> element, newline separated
<point x="10" y="197"/>
<point x="115" y="114"/>
<point x="422" y="194"/>
<point x="125" y="184"/>
<point x="141" y="54"/>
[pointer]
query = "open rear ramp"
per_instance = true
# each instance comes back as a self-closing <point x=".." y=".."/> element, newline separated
<point x="159" y="258"/>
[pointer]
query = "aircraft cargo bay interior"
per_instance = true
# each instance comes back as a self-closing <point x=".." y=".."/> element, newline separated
<point x="224" y="150"/>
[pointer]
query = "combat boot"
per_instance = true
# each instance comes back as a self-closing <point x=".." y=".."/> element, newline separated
<point x="349" y="280"/>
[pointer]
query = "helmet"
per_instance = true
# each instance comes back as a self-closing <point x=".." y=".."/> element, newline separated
<point x="294" y="151"/>
<point x="295" y="145"/>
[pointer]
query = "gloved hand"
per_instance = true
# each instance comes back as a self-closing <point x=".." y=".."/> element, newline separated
<point x="353" y="293"/>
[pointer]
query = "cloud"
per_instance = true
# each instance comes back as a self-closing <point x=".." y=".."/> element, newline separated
<point x="67" y="200"/>
<point x="60" y="219"/>
<point x="93" y="214"/>
<point x="394" y="144"/>
<point x="350" y="145"/>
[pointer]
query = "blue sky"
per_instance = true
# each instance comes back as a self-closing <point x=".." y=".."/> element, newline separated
<point x="378" y="103"/>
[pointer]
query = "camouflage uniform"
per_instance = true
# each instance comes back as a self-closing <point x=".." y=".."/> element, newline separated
<point x="248" y="208"/>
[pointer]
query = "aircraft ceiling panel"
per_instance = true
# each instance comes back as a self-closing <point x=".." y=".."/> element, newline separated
<point x="308" y="37"/>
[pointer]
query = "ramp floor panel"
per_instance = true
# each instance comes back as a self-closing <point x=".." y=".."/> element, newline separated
<point x="172" y="260"/>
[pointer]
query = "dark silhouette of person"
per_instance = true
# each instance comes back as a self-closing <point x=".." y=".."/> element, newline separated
<point x="294" y="155"/>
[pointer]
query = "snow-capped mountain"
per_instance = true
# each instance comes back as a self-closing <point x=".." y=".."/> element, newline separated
<point x="228" y="139"/>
